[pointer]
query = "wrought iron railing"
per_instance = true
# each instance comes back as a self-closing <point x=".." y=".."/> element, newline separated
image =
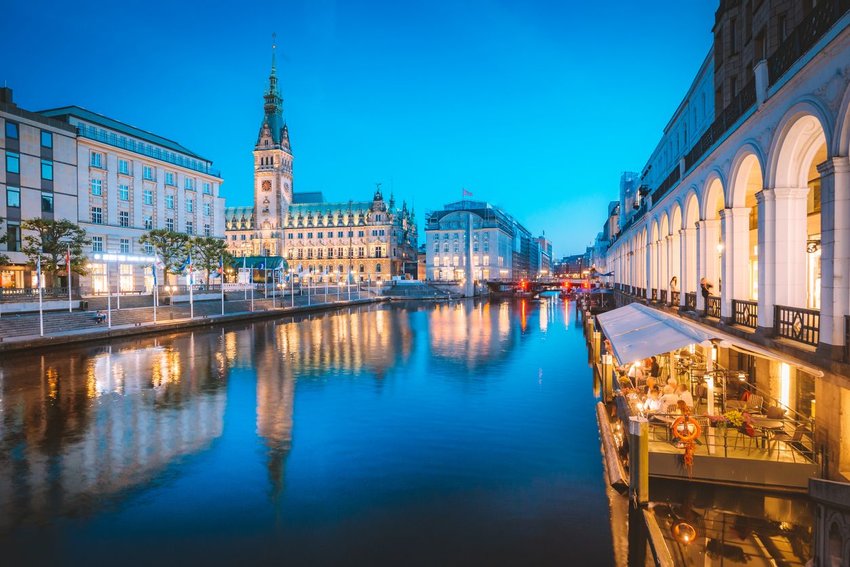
<point x="654" y="296"/>
<point x="663" y="296"/>
<point x="745" y="313"/>
<point x="847" y="338"/>
<point x="713" y="306"/>
<point x="798" y="324"/>
<point x="675" y="297"/>
<point x="691" y="301"/>
<point x="31" y="293"/>
<point x="811" y="28"/>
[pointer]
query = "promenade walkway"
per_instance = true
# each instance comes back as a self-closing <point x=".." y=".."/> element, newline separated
<point x="21" y="330"/>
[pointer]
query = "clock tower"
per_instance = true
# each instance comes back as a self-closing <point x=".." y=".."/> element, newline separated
<point x="272" y="172"/>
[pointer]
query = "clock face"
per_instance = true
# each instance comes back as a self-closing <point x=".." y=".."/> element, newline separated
<point x="267" y="185"/>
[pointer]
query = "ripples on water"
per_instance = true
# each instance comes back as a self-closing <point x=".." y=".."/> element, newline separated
<point x="447" y="434"/>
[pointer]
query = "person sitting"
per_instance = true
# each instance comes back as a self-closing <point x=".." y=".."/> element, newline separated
<point x="685" y="395"/>
<point x="669" y="399"/>
<point x="636" y="374"/>
<point x="99" y="317"/>
<point x="653" y="401"/>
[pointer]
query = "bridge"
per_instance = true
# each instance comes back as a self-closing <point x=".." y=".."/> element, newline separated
<point x="532" y="287"/>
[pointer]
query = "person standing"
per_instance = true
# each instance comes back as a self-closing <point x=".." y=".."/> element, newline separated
<point x="706" y="291"/>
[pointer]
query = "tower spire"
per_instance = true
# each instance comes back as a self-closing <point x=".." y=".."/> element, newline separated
<point x="274" y="50"/>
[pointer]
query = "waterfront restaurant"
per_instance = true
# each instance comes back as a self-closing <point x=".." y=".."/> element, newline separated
<point x="752" y="430"/>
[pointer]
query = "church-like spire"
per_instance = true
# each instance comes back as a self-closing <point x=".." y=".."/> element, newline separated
<point x="273" y="124"/>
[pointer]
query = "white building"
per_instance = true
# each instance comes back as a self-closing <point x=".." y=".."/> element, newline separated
<point x="500" y="247"/>
<point x="758" y="203"/>
<point x="130" y="181"/>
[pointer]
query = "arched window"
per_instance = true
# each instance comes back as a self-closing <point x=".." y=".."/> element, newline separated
<point x="378" y="268"/>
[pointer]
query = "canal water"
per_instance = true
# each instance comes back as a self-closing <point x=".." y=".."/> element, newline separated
<point x="425" y="434"/>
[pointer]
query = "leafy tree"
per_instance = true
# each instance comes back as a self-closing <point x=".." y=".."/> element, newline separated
<point x="50" y="240"/>
<point x="206" y="253"/>
<point x="4" y="260"/>
<point x="171" y="247"/>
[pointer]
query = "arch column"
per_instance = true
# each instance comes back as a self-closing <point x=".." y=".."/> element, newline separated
<point x="790" y="236"/>
<point x="734" y="262"/>
<point x="651" y="252"/>
<point x="835" y="254"/>
<point x="766" y="230"/>
<point x="669" y="261"/>
<point x="683" y="264"/>
<point x="701" y="260"/>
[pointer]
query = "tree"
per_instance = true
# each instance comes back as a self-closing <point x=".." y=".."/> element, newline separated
<point x="171" y="247"/>
<point x="4" y="260"/>
<point x="51" y="240"/>
<point x="207" y="251"/>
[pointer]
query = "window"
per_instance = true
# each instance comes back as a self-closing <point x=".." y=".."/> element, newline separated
<point x="321" y="235"/>
<point x="97" y="244"/>
<point x="46" y="139"/>
<point x="124" y="192"/>
<point x="147" y="197"/>
<point x="207" y="209"/>
<point x="149" y="249"/>
<point x="190" y="227"/>
<point x="234" y="237"/>
<point x="96" y="159"/>
<point x="96" y="187"/>
<point x="782" y="26"/>
<point x="12" y="130"/>
<point x="123" y="218"/>
<point x="13" y="197"/>
<point x="148" y="222"/>
<point x="46" y="169"/>
<point x="310" y="235"/>
<point x="189" y="184"/>
<point x="169" y="224"/>
<point x="47" y="202"/>
<point x="350" y="234"/>
<point x="169" y="178"/>
<point x="96" y="215"/>
<point x="147" y="173"/>
<point x="124" y="166"/>
<point x="169" y="201"/>
<point x="13" y="236"/>
<point x="242" y="235"/>
<point x="207" y="189"/>
<point x="339" y="234"/>
<point x="190" y="205"/>
<point x="124" y="246"/>
<point x="330" y="252"/>
<point x="13" y="162"/>
<point x="207" y="230"/>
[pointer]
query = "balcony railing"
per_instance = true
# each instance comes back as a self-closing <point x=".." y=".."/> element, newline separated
<point x="690" y="301"/>
<point x="663" y="296"/>
<point x="847" y="338"/>
<point x="746" y="313"/>
<point x="675" y="297"/>
<point x="654" y="296"/>
<point x="812" y="27"/>
<point x="713" y="306"/>
<point x="798" y="324"/>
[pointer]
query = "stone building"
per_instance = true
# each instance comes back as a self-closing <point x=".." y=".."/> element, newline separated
<point x="758" y="202"/>
<point x="130" y="181"/>
<point x="364" y="239"/>
<point x="37" y="180"/>
<point x="501" y="248"/>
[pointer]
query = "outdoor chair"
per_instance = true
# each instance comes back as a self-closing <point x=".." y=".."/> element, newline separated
<point x="751" y="405"/>
<point x="790" y="440"/>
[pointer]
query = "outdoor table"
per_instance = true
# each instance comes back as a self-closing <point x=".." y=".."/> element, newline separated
<point x="767" y="426"/>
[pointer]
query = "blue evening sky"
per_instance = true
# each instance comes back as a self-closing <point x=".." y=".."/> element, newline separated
<point x="537" y="106"/>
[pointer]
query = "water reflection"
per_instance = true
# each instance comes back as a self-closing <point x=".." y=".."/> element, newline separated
<point x="338" y="427"/>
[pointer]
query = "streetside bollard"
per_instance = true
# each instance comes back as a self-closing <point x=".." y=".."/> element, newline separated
<point x="607" y="372"/>
<point x="639" y="460"/>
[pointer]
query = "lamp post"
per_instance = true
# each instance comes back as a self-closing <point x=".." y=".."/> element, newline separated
<point x="292" y="284"/>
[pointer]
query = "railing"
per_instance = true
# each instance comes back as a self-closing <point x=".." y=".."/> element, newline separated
<point x="745" y="313"/>
<point x="654" y="296"/>
<point x="665" y="186"/>
<point x="690" y="301"/>
<point x="713" y="306"/>
<point x="31" y="293"/>
<point x="798" y="324"/>
<point x="810" y="29"/>
<point x="675" y="297"/>
<point x="640" y="292"/>
<point x="847" y="338"/>
<point x="663" y="296"/>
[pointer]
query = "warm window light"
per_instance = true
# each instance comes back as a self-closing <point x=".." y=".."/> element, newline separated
<point x="784" y="384"/>
<point x="720" y="248"/>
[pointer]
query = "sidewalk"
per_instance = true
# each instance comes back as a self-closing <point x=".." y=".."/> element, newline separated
<point x="19" y="332"/>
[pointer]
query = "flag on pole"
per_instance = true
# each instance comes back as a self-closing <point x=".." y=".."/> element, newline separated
<point x="38" y="271"/>
<point x="466" y="193"/>
<point x="68" y="263"/>
<point x="153" y="272"/>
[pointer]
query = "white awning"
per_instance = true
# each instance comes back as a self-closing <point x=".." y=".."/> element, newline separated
<point x="637" y="332"/>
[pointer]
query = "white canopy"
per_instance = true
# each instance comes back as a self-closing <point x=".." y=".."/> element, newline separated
<point x="637" y="332"/>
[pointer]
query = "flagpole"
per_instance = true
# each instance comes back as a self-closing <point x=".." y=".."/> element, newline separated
<point x="108" y="299"/>
<point x="68" y="262"/>
<point x="274" y="291"/>
<point x="292" y="288"/>
<point x="221" y="275"/>
<point x="155" y="292"/>
<point x="245" y="289"/>
<point x="251" y="283"/>
<point x="191" y="294"/>
<point x="40" y="307"/>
